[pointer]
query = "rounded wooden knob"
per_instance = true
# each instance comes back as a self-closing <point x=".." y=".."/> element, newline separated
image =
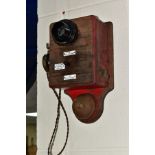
<point x="84" y="107"/>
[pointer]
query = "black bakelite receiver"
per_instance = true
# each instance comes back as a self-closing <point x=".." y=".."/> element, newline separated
<point x="64" y="32"/>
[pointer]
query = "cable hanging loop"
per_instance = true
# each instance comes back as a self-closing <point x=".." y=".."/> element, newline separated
<point x="52" y="140"/>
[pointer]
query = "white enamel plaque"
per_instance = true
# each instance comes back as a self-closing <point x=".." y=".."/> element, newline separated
<point x="59" y="66"/>
<point x="70" y="77"/>
<point x="68" y="53"/>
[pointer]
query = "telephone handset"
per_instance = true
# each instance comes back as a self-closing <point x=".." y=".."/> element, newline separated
<point x="80" y="60"/>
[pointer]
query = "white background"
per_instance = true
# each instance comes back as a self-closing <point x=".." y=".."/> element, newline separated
<point x="13" y="106"/>
<point x="109" y="135"/>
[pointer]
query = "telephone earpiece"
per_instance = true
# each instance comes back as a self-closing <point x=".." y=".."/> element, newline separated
<point x="45" y="62"/>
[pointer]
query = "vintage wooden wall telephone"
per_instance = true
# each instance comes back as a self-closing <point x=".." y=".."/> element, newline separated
<point x="80" y="60"/>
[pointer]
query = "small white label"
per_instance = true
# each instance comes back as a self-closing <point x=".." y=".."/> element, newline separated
<point x="70" y="77"/>
<point x="68" y="53"/>
<point x="59" y="66"/>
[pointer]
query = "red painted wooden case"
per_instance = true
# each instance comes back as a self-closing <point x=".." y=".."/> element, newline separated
<point x="93" y="62"/>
